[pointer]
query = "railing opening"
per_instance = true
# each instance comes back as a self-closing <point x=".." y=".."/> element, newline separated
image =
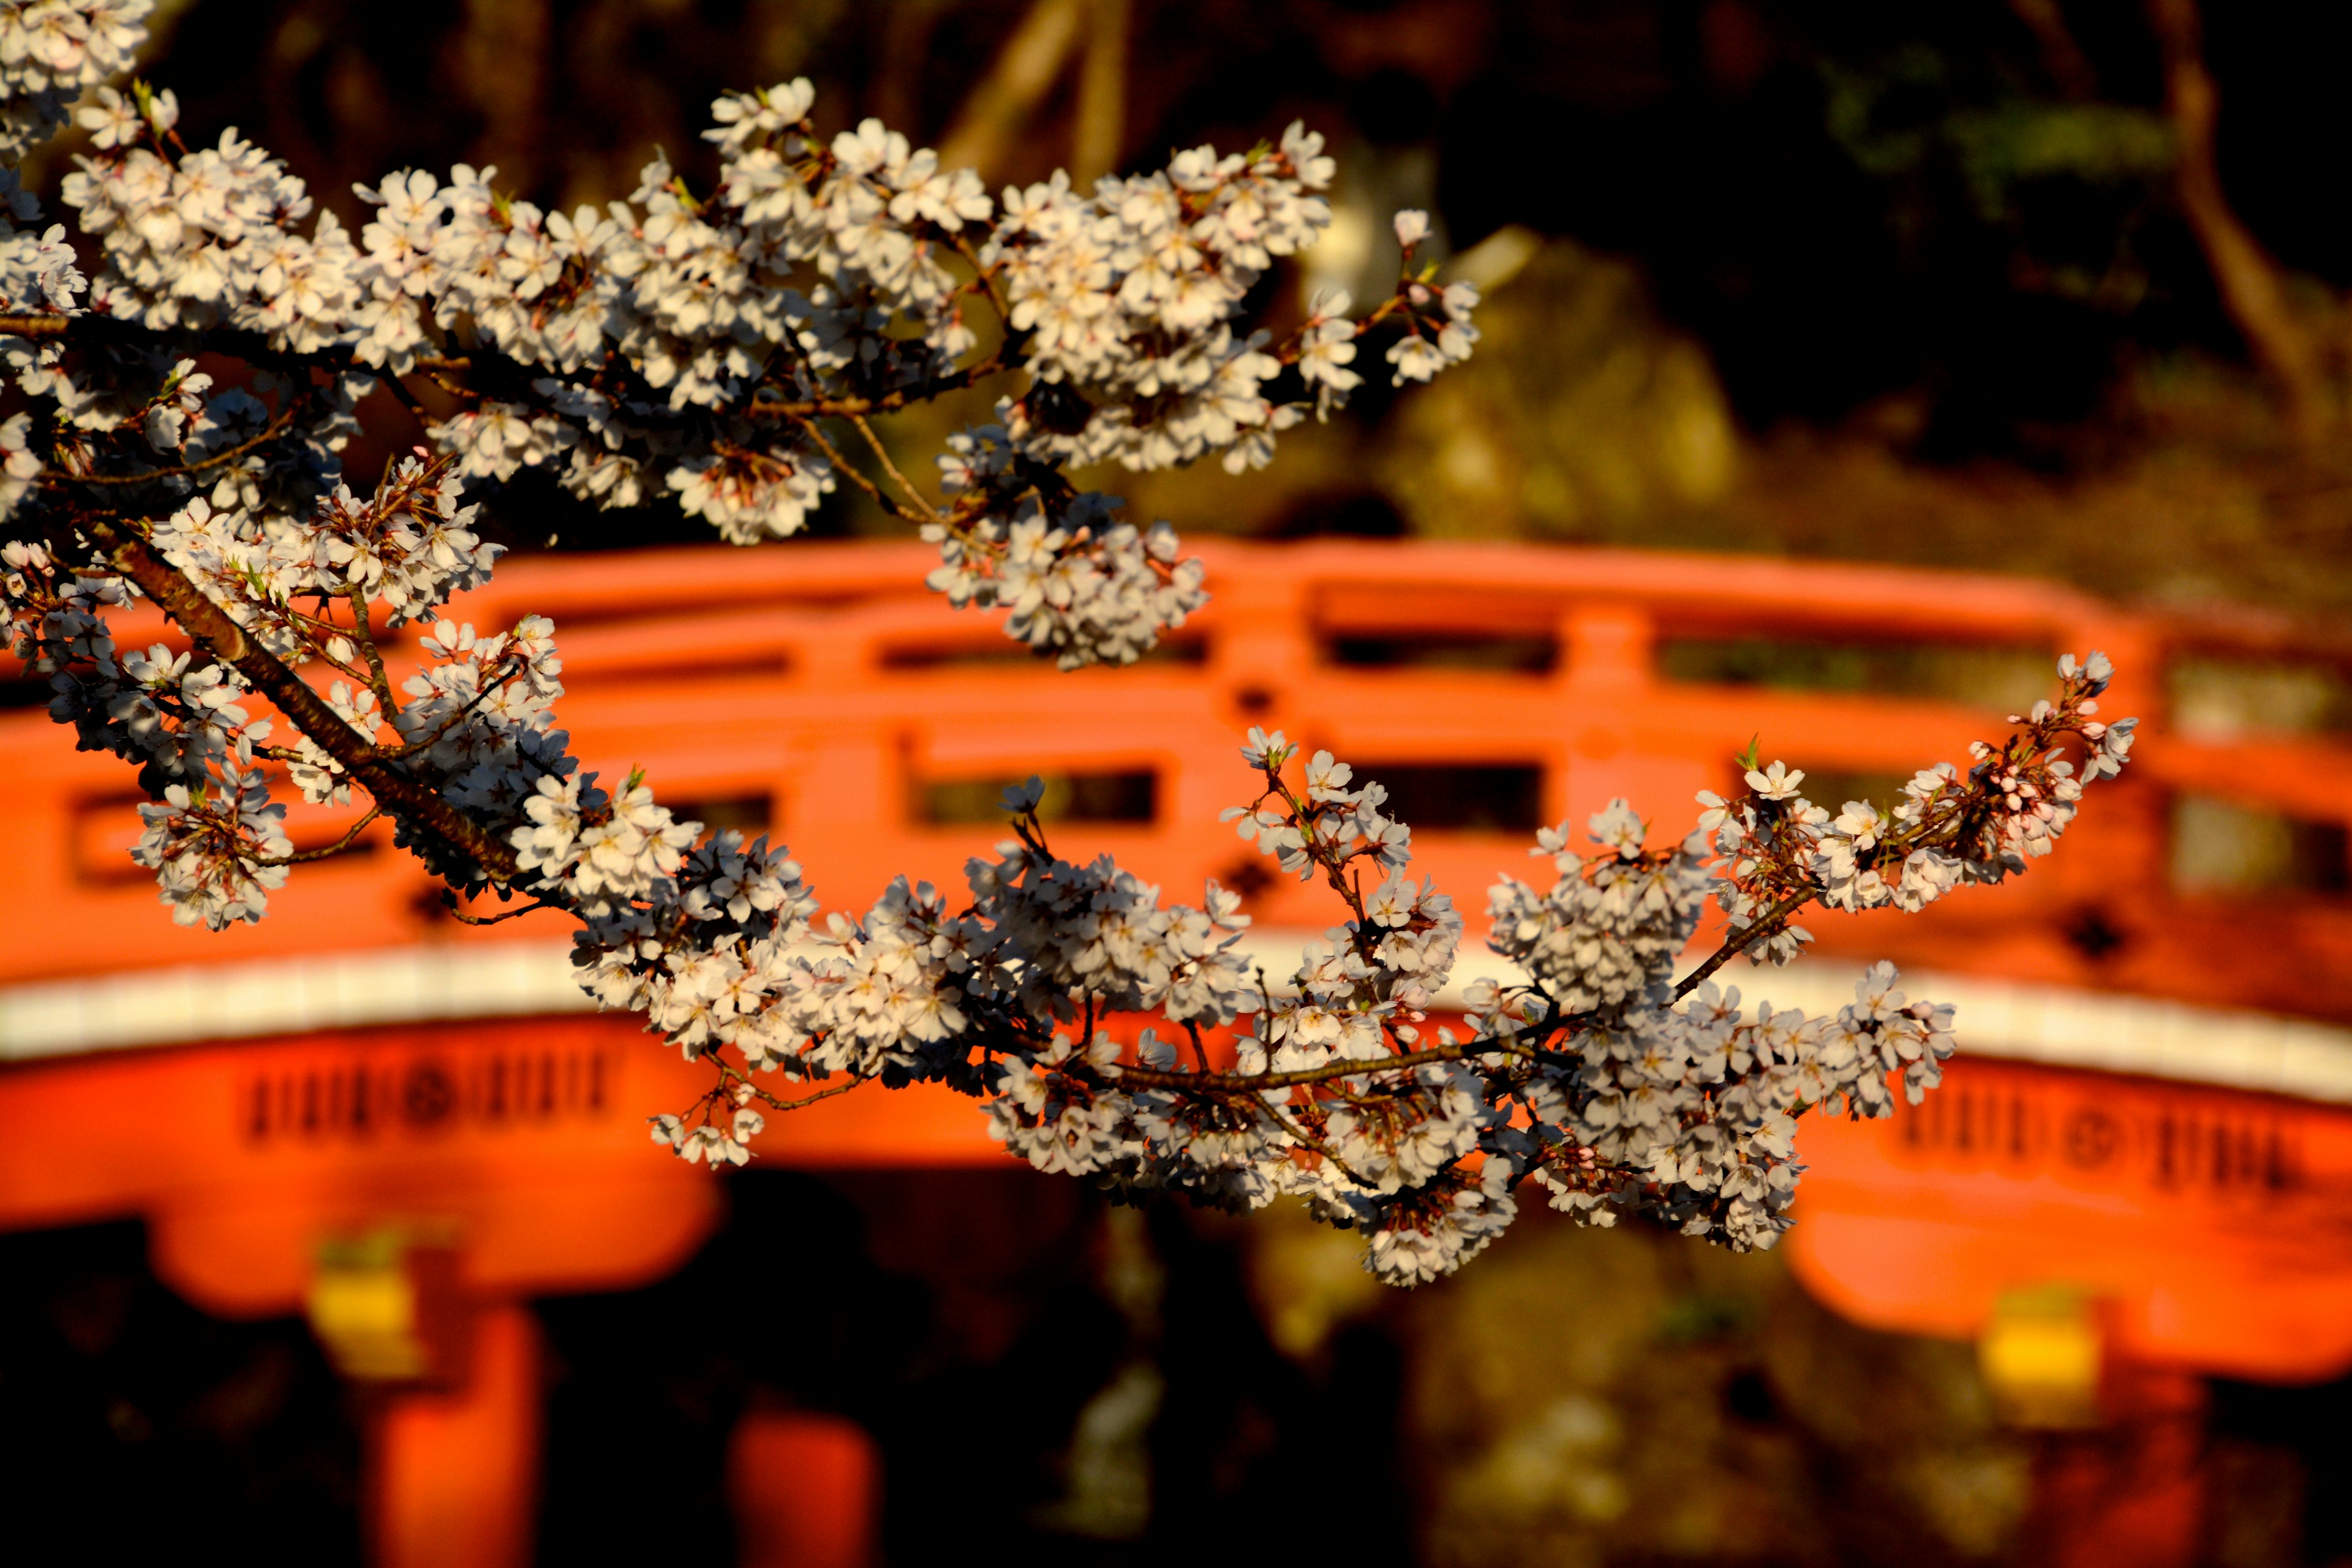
<point x="1001" y="652"/>
<point x="1503" y="652"/>
<point x="2007" y="677"/>
<point x="750" y="815"/>
<point x="1130" y="797"/>
<point x="20" y="690"/>
<point x="2225" y="847"/>
<point x="1449" y="798"/>
<point x="2215" y="697"/>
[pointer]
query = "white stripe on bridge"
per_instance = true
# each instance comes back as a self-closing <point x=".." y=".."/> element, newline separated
<point x="2053" y="1025"/>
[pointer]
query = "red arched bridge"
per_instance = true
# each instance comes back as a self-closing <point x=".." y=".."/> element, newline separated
<point x="2143" y="1154"/>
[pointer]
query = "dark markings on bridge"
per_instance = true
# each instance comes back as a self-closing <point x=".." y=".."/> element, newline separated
<point x="367" y="1095"/>
<point x="2176" y="1143"/>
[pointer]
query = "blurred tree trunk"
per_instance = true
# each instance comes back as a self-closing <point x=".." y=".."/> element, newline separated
<point x="2069" y="69"/>
<point x="502" y="56"/>
<point x="1024" y="72"/>
<point x="1004" y="106"/>
<point x="2246" y="275"/>
<point x="1099" y="135"/>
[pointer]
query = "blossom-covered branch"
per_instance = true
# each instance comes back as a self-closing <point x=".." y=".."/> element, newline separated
<point x="1602" y="1078"/>
<point x="730" y="351"/>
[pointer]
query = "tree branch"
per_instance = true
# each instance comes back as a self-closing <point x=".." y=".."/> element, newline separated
<point x="269" y="433"/>
<point x="337" y="847"/>
<point x="1251" y="1082"/>
<point x="402" y="794"/>
<point x="1767" y="924"/>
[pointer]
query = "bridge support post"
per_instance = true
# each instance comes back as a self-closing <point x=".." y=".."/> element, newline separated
<point x="2130" y="1493"/>
<point x="453" y="1477"/>
<point x="804" y="1488"/>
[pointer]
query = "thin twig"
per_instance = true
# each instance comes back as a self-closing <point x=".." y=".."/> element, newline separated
<point x="776" y="1102"/>
<point x="1309" y="1140"/>
<point x="449" y="901"/>
<point x="270" y="432"/>
<point x="365" y="636"/>
<point x="882" y="456"/>
<point x="842" y="466"/>
<point x="1763" y="926"/>
<point x="337" y="847"/>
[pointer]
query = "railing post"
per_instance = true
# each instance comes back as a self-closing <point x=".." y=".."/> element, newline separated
<point x="805" y="1489"/>
<point x="453" y="1478"/>
<point x="1603" y="684"/>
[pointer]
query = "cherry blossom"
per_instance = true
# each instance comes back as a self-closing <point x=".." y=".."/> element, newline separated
<point x="730" y="351"/>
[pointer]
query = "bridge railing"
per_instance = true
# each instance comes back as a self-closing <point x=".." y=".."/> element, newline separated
<point x="820" y="690"/>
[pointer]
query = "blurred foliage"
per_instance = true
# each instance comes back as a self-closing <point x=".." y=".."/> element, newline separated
<point x="1587" y="416"/>
<point x="1597" y="1396"/>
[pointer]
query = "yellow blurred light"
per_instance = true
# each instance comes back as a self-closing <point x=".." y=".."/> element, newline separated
<point x="2042" y="1354"/>
<point x="366" y="1303"/>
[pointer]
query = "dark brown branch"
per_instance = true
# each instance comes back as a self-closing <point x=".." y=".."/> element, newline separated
<point x="365" y="635"/>
<point x="399" y="793"/>
<point x="449" y="902"/>
<point x="1251" y="1082"/>
<point x="42" y="326"/>
<point x="780" y="1104"/>
<point x="774" y="1101"/>
<point x="1767" y="925"/>
<point x="887" y="403"/>
<point x="505" y="378"/>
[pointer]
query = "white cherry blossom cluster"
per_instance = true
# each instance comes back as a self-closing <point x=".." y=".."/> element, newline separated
<point x="1613" y="1086"/>
<point x="403" y="550"/>
<point x="720" y="954"/>
<point x="218" y="846"/>
<point x="1947" y="829"/>
<point x="50" y="52"/>
<point x="728" y="351"/>
<point x="480" y="721"/>
<point x="177" y="718"/>
<point x="476" y="726"/>
<point x="1608" y="931"/>
<point x="1130" y="295"/>
<point x="214" y="841"/>
<point x="1438" y="319"/>
<point x="689" y="345"/>
<point x="1078" y="584"/>
<point x="38" y="271"/>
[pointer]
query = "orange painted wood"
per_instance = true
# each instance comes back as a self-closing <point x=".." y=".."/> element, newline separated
<point x="2210" y="1222"/>
<point x="528" y="1135"/>
<point x="805" y="1489"/>
<point x="453" y="1477"/>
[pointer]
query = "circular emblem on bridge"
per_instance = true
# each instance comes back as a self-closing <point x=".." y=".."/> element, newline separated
<point x="2091" y="1138"/>
<point x="428" y="1095"/>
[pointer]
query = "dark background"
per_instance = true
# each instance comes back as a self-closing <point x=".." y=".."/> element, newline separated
<point x="1911" y="283"/>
